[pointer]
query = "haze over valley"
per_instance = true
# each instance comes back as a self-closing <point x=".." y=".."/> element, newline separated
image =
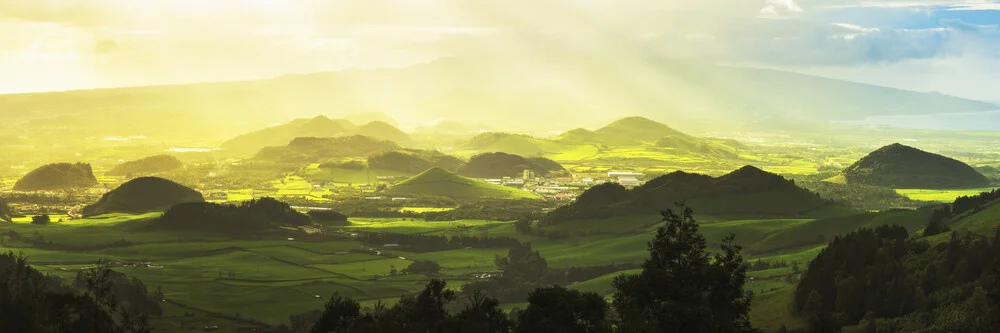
<point x="543" y="166"/>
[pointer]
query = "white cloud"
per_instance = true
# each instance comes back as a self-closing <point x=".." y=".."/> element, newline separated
<point x="780" y="7"/>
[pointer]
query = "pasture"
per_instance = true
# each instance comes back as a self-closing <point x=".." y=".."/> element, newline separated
<point x="947" y="196"/>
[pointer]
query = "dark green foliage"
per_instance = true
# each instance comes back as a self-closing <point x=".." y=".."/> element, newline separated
<point x="496" y="165"/>
<point x="900" y="166"/>
<point x="546" y="164"/>
<point x="558" y="310"/>
<point x="425" y="267"/>
<point x="250" y="216"/>
<point x="329" y="217"/>
<point x="964" y="204"/>
<point x="146" y="166"/>
<point x="57" y="176"/>
<point x="41" y="219"/>
<point x="681" y="288"/>
<point x="31" y="302"/>
<point x="129" y="294"/>
<point x="878" y="279"/>
<point x="492" y="209"/>
<point x="340" y="314"/>
<point x="5" y="210"/>
<point x="413" y="161"/>
<point x="708" y="195"/>
<point x="859" y="196"/>
<point x="312" y="149"/>
<point x="938" y="222"/>
<point x="143" y="194"/>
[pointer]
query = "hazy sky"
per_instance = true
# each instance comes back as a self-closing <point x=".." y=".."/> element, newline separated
<point x="928" y="45"/>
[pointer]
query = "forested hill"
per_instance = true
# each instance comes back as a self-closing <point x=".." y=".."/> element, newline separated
<point x="748" y="191"/>
<point x="900" y="166"/>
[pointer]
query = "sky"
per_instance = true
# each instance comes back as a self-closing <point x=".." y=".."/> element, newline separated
<point x="952" y="47"/>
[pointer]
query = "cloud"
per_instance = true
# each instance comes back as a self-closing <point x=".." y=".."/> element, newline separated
<point x="780" y="7"/>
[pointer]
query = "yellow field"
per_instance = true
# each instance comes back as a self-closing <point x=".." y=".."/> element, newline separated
<point x="940" y="195"/>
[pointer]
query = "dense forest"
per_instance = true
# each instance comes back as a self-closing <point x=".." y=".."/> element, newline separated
<point x="249" y="216"/>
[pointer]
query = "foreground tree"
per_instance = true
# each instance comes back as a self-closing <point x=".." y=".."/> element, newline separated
<point x="680" y="288"/>
<point x="558" y="310"/>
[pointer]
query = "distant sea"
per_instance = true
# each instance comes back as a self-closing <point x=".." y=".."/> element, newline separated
<point x="977" y="121"/>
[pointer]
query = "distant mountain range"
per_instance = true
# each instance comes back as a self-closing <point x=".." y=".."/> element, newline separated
<point x="578" y="91"/>
<point x="319" y="127"/>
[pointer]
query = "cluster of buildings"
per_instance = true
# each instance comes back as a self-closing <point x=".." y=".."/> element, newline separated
<point x="567" y="188"/>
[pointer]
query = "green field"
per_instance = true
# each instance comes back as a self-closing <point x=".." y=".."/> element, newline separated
<point x="940" y="195"/>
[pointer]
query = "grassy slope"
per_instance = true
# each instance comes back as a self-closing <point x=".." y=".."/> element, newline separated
<point x="443" y="183"/>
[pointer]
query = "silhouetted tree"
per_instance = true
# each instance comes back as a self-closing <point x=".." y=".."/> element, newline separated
<point x="938" y="222"/>
<point x="559" y="310"/>
<point x="41" y="219"/>
<point x="680" y="289"/>
<point x="339" y="315"/>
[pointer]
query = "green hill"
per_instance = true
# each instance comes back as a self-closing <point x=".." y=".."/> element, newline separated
<point x="146" y="166"/>
<point x="320" y="126"/>
<point x="517" y="144"/>
<point x="640" y="129"/>
<point x="413" y="161"/>
<point x="309" y="149"/>
<point x="57" y="176"/>
<point x="497" y="165"/>
<point x="440" y="182"/>
<point x="748" y="191"/>
<point x="368" y="117"/>
<point x="142" y="195"/>
<point x="585" y="136"/>
<point x="900" y="166"/>
<point x="383" y="131"/>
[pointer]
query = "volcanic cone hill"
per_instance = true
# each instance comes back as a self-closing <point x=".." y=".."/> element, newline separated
<point x="899" y="166"/>
<point x="320" y="126"/>
<point x="147" y="166"/>
<point x="144" y="194"/>
<point x="747" y="191"/>
<point x="440" y="182"/>
<point x="496" y="165"/>
<point x="57" y="176"/>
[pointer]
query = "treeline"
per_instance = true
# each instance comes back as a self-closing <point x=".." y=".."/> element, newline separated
<point x="942" y="217"/>
<point x="879" y="280"/>
<point x="860" y="196"/>
<point x="429" y="243"/>
<point x="101" y="301"/>
<point x="494" y="210"/>
<point x="681" y="289"/>
<point x="971" y="203"/>
<point x="249" y="216"/>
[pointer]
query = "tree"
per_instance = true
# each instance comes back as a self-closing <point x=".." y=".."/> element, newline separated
<point x="425" y="267"/>
<point x="5" y="211"/>
<point x="41" y="219"/>
<point x="938" y="222"/>
<point x="339" y="315"/>
<point x="482" y="314"/>
<point x="560" y="310"/>
<point x="680" y="289"/>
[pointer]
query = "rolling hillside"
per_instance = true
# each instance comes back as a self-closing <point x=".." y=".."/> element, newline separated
<point x="900" y="166"/>
<point x="383" y="131"/>
<point x="147" y="166"/>
<point x="57" y="176"/>
<point x="747" y="191"/>
<point x="142" y="195"/>
<point x="320" y="126"/>
<point x="440" y="182"/>
<point x="312" y="150"/>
